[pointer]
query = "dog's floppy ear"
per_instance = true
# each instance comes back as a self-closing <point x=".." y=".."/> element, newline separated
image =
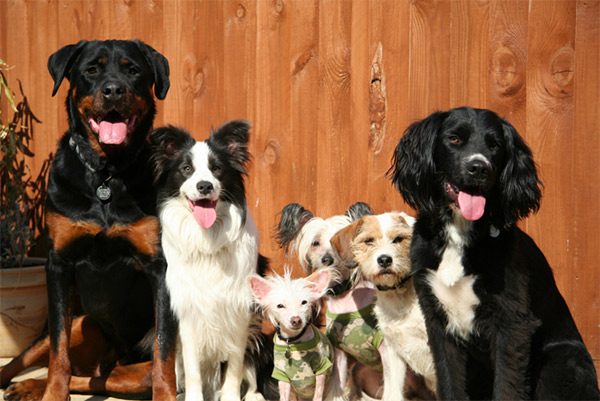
<point x="413" y="167"/>
<point x="160" y="68"/>
<point x="358" y="210"/>
<point x="61" y="61"/>
<point x="293" y="217"/>
<point x="520" y="187"/>
<point x="167" y="143"/>
<point x="341" y="242"/>
<point x="232" y="137"/>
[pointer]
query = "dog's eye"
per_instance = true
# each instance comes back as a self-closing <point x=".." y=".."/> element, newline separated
<point x="304" y="302"/>
<point x="369" y="241"/>
<point x="454" y="139"/>
<point x="186" y="168"/>
<point x="280" y="306"/>
<point x="398" y="240"/>
<point x="315" y="243"/>
<point x="495" y="146"/>
<point x="92" y="70"/>
<point x="216" y="169"/>
<point x="133" y="71"/>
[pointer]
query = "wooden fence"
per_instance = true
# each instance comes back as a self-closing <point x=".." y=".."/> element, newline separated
<point x="329" y="87"/>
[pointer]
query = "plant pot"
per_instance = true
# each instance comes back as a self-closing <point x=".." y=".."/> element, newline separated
<point x="23" y="306"/>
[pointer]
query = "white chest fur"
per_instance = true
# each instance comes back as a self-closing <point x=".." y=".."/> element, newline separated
<point x="449" y="284"/>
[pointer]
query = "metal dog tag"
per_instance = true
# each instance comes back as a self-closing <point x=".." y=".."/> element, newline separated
<point x="103" y="192"/>
<point x="288" y="353"/>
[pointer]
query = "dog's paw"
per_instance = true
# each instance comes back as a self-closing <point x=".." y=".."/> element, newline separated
<point x="26" y="390"/>
<point x="256" y="396"/>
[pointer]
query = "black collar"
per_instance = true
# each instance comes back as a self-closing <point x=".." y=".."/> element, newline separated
<point x="340" y="288"/>
<point x="88" y="157"/>
<point x="396" y="286"/>
<point x="294" y="338"/>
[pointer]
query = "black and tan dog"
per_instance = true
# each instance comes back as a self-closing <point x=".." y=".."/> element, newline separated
<point x="104" y="234"/>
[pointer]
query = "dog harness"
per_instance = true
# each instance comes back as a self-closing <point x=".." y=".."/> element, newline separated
<point x="356" y="334"/>
<point x="306" y="361"/>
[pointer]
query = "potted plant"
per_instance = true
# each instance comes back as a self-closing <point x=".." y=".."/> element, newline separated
<point x="23" y="299"/>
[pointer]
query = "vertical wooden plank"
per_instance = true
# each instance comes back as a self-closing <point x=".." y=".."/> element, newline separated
<point x="388" y="96"/>
<point x="356" y="180"/>
<point x="582" y="250"/>
<point x="550" y="130"/>
<point x="508" y="61"/>
<point x="239" y="55"/>
<point x="430" y="52"/>
<point x="468" y="58"/>
<point x="272" y="105"/>
<point x="335" y="155"/>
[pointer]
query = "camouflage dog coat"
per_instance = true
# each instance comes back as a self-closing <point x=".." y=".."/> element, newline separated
<point x="307" y="361"/>
<point x="356" y="334"/>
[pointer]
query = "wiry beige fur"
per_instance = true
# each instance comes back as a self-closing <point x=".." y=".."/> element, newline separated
<point x="380" y="245"/>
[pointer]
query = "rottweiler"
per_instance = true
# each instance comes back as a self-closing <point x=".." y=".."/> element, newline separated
<point x="104" y="235"/>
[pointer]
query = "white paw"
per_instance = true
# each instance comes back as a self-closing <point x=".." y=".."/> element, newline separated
<point x="254" y="397"/>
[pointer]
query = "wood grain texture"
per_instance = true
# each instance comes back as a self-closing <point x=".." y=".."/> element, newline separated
<point x="330" y="86"/>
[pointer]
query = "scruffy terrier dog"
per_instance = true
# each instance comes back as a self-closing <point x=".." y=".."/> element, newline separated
<point x="303" y="355"/>
<point x="380" y="245"/>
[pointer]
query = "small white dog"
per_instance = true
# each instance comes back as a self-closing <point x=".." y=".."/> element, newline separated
<point x="211" y="246"/>
<point x="303" y="356"/>
<point x="380" y="245"/>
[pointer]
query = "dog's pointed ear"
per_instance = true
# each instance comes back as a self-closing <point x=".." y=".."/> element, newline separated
<point x="320" y="280"/>
<point x="233" y="137"/>
<point x="341" y="242"/>
<point x="160" y="68"/>
<point x="521" y="189"/>
<point x="413" y="167"/>
<point x="260" y="288"/>
<point x="167" y="143"/>
<point x="358" y="210"/>
<point x="61" y="62"/>
<point x="292" y="218"/>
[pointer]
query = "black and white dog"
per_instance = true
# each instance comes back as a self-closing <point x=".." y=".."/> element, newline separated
<point x="211" y="245"/>
<point x="498" y="326"/>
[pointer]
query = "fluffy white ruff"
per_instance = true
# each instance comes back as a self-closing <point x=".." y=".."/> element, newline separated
<point x="449" y="283"/>
<point x="207" y="277"/>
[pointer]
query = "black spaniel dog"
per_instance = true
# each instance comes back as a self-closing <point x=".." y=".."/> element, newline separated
<point x="498" y="326"/>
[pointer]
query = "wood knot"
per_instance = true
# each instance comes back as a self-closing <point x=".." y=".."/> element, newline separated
<point x="194" y="76"/>
<point x="277" y="6"/>
<point x="507" y="71"/>
<point x="377" y="102"/>
<point x="240" y="11"/>
<point x="271" y="152"/>
<point x="563" y="66"/>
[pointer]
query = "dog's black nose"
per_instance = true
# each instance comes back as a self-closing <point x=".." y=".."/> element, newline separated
<point x="327" y="260"/>
<point x="113" y="91"/>
<point x="384" y="261"/>
<point x="204" y="187"/>
<point x="478" y="168"/>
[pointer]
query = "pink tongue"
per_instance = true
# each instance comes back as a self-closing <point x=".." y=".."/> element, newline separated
<point x="112" y="133"/>
<point x="204" y="212"/>
<point x="471" y="206"/>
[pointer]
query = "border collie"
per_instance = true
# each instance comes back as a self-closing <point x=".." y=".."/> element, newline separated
<point x="498" y="325"/>
<point x="211" y="245"/>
